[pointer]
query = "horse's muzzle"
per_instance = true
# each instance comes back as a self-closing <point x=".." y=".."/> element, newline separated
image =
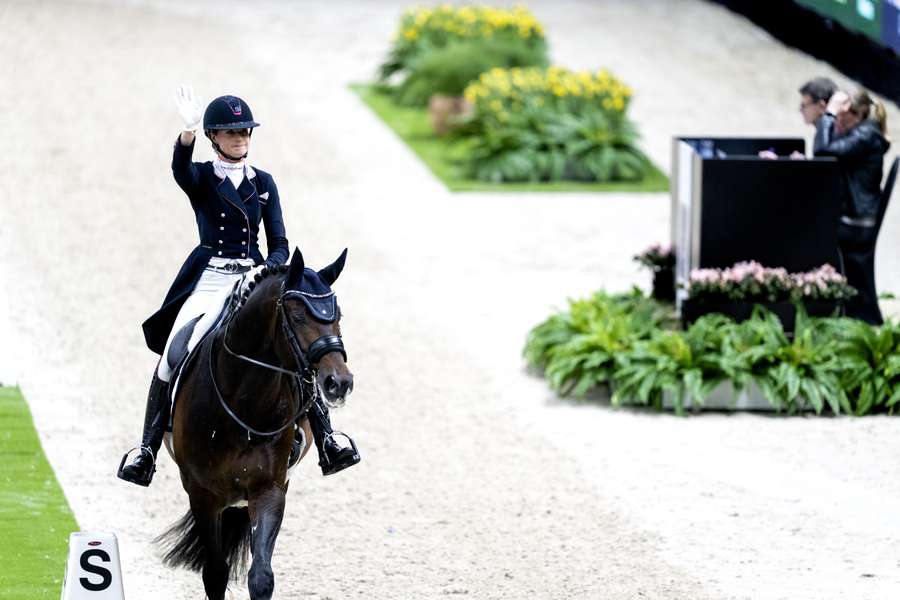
<point x="337" y="387"/>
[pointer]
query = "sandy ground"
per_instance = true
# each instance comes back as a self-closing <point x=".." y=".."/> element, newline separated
<point x="476" y="481"/>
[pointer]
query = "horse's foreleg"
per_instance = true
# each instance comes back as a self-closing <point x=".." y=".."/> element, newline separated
<point x="208" y="519"/>
<point x="266" y="511"/>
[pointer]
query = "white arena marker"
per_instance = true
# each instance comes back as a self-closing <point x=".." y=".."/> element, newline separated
<point x="93" y="571"/>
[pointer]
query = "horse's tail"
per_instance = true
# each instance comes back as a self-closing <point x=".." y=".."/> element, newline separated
<point x="184" y="547"/>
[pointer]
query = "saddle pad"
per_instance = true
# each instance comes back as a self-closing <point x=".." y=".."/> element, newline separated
<point x="178" y="349"/>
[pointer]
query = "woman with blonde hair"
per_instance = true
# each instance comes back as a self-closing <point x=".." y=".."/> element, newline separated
<point x="854" y="131"/>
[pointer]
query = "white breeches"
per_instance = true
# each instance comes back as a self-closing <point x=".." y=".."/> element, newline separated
<point x="207" y="299"/>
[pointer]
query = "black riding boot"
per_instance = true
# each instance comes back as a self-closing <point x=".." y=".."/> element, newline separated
<point x="332" y="457"/>
<point x="141" y="469"/>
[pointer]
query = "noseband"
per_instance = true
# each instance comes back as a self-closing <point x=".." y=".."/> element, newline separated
<point x="304" y="376"/>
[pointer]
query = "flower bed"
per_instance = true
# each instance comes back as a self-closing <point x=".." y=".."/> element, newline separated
<point x="440" y="50"/>
<point x="630" y="344"/>
<point x="550" y="124"/>
<point x="425" y="29"/>
<point x="483" y="72"/>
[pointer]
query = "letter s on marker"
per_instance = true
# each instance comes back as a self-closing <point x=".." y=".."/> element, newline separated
<point x="103" y="572"/>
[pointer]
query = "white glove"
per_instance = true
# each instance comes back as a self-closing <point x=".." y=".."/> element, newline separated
<point x="188" y="109"/>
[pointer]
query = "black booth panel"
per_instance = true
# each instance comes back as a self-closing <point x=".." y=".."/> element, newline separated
<point x="710" y="147"/>
<point x="780" y="213"/>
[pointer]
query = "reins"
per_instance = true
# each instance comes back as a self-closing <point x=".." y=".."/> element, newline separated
<point x="304" y="376"/>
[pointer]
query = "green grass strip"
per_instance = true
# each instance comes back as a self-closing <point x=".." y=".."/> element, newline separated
<point x="35" y="519"/>
<point x="414" y="128"/>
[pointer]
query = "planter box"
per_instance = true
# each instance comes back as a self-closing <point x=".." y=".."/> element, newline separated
<point x="724" y="398"/>
<point x="691" y="310"/>
<point x="664" y="285"/>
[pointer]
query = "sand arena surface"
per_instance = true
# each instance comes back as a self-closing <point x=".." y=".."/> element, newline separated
<point x="476" y="481"/>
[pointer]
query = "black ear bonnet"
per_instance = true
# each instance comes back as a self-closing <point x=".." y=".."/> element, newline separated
<point x="316" y="295"/>
<point x="314" y="287"/>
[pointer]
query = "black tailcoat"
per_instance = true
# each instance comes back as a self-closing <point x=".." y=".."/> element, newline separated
<point x="228" y="222"/>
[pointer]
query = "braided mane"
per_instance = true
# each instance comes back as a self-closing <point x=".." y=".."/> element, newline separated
<point x="261" y="275"/>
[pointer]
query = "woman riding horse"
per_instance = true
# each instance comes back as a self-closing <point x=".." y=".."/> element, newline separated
<point x="229" y="198"/>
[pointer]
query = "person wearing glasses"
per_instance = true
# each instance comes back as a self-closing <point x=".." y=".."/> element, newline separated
<point x="814" y="97"/>
<point x="853" y="129"/>
<point x="230" y="199"/>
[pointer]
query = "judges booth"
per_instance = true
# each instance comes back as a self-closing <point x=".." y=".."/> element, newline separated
<point x="729" y="205"/>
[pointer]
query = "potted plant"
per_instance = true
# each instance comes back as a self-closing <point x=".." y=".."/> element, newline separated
<point x="661" y="262"/>
<point x="735" y="290"/>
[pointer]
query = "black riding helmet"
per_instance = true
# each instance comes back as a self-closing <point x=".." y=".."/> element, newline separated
<point x="227" y="112"/>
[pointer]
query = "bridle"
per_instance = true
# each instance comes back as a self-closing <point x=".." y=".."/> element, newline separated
<point x="304" y="377"/>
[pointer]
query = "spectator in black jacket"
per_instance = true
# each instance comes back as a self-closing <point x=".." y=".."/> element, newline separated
<point x="853" y="129"/>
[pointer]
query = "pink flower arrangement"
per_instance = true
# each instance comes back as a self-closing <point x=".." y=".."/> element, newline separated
<point x="750" y="281"/>
<point x="657" y="257"/>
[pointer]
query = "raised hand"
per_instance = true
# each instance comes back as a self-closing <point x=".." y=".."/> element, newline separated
<point x="839" y="103"/>
<point x="188" y="108"/>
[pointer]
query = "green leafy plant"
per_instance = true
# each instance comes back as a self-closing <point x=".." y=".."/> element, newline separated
<point x="805" y="368"/>
<point x="682" y="364"/>
<point x="577" y="348"/>
<point x="788" y="371"/>
<point x="626" y="340"/>
<point x="598" y="145"/>
<point x="449" y="69"/>
<point x="870" y="360"/>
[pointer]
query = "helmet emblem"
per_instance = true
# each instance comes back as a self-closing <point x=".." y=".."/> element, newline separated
<point x="234" y="104"/>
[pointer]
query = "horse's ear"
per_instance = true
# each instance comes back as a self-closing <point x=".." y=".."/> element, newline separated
<point x="330" y="273"/>
<point x="296" y="271"/>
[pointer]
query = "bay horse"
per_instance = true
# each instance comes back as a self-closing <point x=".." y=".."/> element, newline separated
<point x="249" y="382"/>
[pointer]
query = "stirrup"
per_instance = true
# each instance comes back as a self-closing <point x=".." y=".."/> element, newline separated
<point x="139" y="481"/>
<point x="350" y="455"/>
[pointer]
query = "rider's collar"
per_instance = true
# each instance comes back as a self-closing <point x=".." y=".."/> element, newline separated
<point x="222" y="168"/>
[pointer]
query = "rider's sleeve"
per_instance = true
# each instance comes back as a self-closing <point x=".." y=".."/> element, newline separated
<point x="187" y="176"/>
<point x="276" y="237"/>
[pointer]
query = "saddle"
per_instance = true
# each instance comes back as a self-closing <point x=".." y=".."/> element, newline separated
<point x="185" y="344"/>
